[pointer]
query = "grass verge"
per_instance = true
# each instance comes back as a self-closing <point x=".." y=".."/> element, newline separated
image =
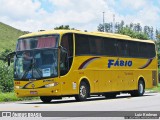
<point x="10" y="96"/>
<point x="155" y="89"/>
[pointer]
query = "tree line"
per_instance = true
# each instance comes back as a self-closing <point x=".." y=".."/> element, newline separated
<point x="135" y="30"/>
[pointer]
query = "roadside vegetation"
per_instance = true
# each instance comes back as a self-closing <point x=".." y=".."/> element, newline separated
<point x="6" y="84"/>
<point x="8" y="38"/>
<point x="10" y="96"/>
<point x="156" y="89"/>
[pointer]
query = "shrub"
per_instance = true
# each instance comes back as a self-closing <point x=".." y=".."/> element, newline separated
<point x="6" y="77"/>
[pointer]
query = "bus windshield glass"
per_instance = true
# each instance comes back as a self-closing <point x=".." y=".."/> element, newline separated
<point x="39" y="42"/>
<point x="36" y="64"/>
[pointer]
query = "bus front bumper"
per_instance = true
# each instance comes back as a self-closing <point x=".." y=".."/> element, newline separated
<point x="37" y="92"/>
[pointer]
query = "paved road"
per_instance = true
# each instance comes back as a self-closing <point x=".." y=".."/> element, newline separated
<point x="148" y="102"/>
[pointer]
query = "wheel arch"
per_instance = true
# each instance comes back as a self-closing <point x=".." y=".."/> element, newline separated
<point x="86" y="80"/>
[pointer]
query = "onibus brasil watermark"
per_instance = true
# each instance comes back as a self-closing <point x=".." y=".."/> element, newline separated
<point x="21" y="114"/>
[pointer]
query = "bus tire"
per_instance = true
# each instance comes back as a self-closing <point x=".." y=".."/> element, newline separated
<point x="83" y="92"/>
<point x="46" y="99"/>
<point x="140" y="91"/>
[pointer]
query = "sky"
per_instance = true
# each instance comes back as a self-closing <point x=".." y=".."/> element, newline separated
<point x="34" y="15"/>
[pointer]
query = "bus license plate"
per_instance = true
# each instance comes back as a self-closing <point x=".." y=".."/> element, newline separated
<point x="33" y="92"/>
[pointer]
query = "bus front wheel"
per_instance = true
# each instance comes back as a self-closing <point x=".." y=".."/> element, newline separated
<point x="83" y="92"/>
<point x="140" y="91"/>
<point x="46" y="99"/>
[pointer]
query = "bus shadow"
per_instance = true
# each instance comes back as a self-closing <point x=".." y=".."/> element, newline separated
<point x="96" y="98"/>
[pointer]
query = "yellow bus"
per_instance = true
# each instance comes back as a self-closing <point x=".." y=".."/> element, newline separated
<point x="59" y="63"/>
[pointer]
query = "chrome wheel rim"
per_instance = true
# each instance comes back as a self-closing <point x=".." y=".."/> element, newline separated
<point x="141" y="88"/>
<point x="83" y="91"/>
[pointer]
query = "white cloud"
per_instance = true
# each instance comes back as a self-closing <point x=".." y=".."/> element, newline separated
<point x="19" y="9"/>
<point x="146" y="12"/>
<point x="82" y="14"/>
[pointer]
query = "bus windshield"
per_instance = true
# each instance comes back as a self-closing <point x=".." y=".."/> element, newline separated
<point x="36" y="64"/>
<point x="38" y="42"/>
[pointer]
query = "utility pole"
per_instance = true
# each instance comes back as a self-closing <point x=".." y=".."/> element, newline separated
<point x="103" y="23"/>
<point x="113" y="27"/>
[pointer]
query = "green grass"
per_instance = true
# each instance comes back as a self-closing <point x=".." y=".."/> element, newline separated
<point x="8" y="36"/>
<point x="8" y="97"/>
<point x="155" y="89"/>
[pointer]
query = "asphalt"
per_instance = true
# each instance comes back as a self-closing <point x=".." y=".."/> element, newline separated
<point x="124" y="102"/>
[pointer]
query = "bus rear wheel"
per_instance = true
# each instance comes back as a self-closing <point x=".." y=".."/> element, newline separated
<point x="83" y="92"/>
<point x="46" y="99"/>
<point x="140" y="91"/>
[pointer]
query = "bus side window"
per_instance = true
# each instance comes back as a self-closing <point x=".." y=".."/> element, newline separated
<point x="67" y="43"/>
<point x="122" y="48"/>
<point x="63" y="62"/>
<point x="109" y="47"/>
<point x="132" y="49"/>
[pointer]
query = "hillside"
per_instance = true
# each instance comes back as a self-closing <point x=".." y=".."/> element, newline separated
<point x="8" y="36"/>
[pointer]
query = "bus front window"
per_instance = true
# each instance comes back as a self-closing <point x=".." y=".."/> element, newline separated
<point x="36" y="64"/>
<point x="39" y="42"/>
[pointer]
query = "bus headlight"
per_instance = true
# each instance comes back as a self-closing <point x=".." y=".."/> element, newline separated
<point x="51" y="85"/>
<point x="18" y="87"/>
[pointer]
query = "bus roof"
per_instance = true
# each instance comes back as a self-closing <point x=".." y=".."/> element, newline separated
<point x="100" y="34"/>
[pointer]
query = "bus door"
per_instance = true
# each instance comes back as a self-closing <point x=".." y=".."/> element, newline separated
<point x="63" y="66"/>
<point x="68" y="85"/>
<point x="68" y="81"/>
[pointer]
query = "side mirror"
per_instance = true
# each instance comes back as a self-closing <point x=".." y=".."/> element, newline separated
<point x="9" y="61"/>
<point x="62" y="48"/>
<point x="9" y="57"/>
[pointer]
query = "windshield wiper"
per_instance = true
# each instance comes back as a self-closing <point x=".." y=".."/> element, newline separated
<point x="29" y="68"/>
<point x="36" y="68"/>
<point x="32" y="67"/>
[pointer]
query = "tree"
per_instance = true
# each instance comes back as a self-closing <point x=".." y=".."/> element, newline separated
<point x="121" y="24"/>
<point x="131" y="26"/>
<point x="133" y="34"/>
<point x="158" y="45"/>
<point x="64" y="27"/>
<point x="6" y="77"/>
<point x="107" y="27"/>
<point x="132" y="30"/>
<point x="100" y="28"/>
<point x="6" y="73"/>
<point x="138" y="27"/>
<point x="149" y="31"/>
<point x="117" y="27"/>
